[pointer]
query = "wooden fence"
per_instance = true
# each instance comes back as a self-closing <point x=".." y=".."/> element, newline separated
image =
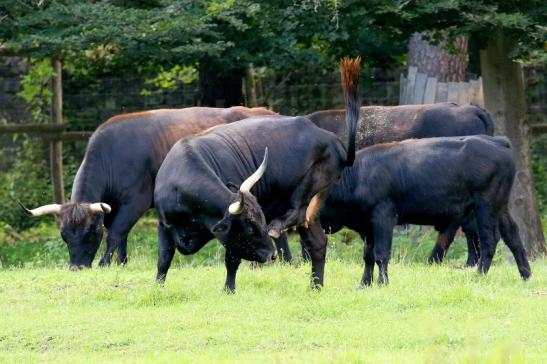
<point x="418" y="88"/>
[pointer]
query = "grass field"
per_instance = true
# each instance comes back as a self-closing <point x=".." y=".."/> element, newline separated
<point x="429" y="314"/>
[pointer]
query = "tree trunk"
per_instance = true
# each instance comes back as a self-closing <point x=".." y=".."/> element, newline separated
<point x="504" y="97"/>
<point x="251" y="86"/>
<point x="436" y="61"/>
<point x="56" y="146"/>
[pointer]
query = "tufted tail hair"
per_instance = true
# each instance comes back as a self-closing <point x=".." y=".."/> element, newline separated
<point x="350" y="70"/>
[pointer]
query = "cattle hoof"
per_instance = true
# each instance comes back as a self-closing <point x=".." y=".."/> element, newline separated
<point x="160" y="279"/>
<point x="104" y="263"/>
<point x="229" y="290"/>
<point x="274" y="234"/>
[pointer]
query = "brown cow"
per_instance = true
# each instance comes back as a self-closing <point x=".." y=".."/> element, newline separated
<point x="115" y="182"/>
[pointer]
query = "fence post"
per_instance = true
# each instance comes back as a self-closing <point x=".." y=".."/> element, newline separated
<point x="56" y="146"/>
<point x="251" y="86"/>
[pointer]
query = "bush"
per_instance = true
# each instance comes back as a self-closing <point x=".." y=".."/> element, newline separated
<point x="28" y="181"/>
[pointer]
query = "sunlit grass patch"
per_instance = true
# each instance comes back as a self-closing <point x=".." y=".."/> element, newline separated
<point x="428" y="314"/>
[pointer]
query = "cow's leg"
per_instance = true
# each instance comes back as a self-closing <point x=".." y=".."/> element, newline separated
<point x="305" y="252"/>
<point x="469" y="228"/>
<point x="282" y="245"/>
<point x="383" y="221"/>
<point x="122" y="251"/>
<point x="510" y="234"/>
<point x="310" y="213"/>
<point x="232" y="263"/>
<point x="125" y="219"/>
<point x="166" y="251"/>
<point x="306" y="202"/>
<point x="315" y="241"/>
<point x="368" y="257"/>
<point x="487" y="223"/>
<point x="444" y="240"/>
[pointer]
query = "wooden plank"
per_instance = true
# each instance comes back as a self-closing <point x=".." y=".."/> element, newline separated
<point x="538" y="129"/>
<point x="463" y="93"/>
<point x="56" y="146"/>
<point x="430" y="90"/>
<point x="480" y="94"/>
<point x="69" y="136"/>
<point x="251" y="86"/>
<point x="32" y="128"/>
<point x="473" y="91"/>
<point x="402" y="86"/>
<point x="419" y="88"/>
<point x="411" y="80"/>
<point x="442" y="92"/>
<point x="453" y="89"/>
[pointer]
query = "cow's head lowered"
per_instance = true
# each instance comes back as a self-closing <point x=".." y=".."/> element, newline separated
<point x="243" y="228"/>
<point x="81" y="228"/>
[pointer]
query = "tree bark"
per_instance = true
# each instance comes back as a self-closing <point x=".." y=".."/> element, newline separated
<point x="251" y="86"/>
<point x="504" y="97"/>
<point x="437" y="61"/>
<point x="56" y="146"/>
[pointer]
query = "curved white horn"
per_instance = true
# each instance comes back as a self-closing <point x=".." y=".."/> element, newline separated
<point x="253" y="178"/>
<point x="45" y="210"/>
<point x="237" y="207"/>
<point x="100" y="207"/>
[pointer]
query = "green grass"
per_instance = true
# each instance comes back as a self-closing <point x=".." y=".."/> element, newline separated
<point x="428" y="314"/>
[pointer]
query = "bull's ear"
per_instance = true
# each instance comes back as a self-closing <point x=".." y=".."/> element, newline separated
<point x="221" y="227"/>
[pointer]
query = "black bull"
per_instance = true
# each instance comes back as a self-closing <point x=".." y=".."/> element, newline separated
<point x="118" y="172"/>
<point x="400" y="182"/>
<point x="381" y="124"/>
<point x="196" y="201"/>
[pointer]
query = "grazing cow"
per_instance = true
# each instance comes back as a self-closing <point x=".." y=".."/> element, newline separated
<point x="115" y="182"/>
<point x="196" y="200"/>
<point x="436" y="181"/>
<point x="381" y="124"/>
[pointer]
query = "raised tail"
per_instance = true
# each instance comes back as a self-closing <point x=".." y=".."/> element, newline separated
<point x="350" y="70"/>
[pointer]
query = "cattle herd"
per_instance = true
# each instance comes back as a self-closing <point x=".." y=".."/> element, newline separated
<point x="246" y="175"/>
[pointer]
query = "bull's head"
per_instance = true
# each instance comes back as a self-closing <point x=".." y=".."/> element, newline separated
<point x="243" y="228"/>
<point x="81" y="228"/>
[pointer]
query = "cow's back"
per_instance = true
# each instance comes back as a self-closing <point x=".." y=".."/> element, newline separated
<point x="131" y="147"/>
<point x="382" y="124"/>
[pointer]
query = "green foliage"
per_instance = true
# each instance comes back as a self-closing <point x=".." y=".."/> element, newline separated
<point x="522" y="20"/>
<point x="170" y="79"/>
<point x="35" y="89"/>
<point x="135" y="36"/>
<point x="28" y="181"/>
<point x="128" y="33"/>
